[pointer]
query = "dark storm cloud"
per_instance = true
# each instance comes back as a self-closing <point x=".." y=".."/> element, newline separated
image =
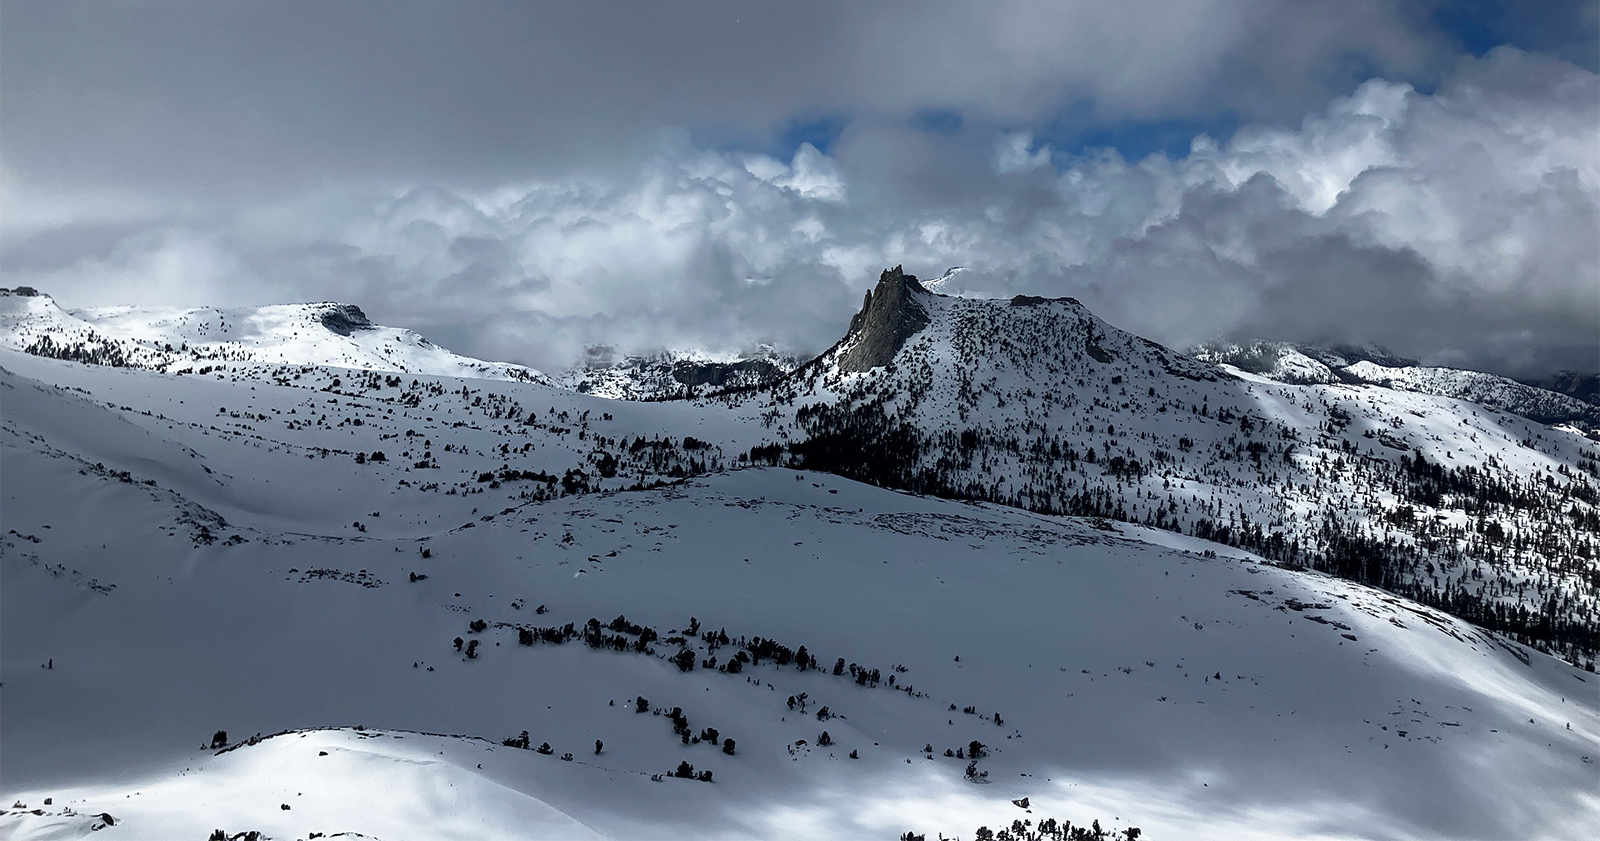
<point x="516" y="180"/>
<point x="196" y="96"/>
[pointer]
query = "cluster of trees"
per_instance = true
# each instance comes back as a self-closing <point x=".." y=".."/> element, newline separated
<point x="594" y="636"/>
<point x="685" y="771"/>
<point x="974" y="750"/>
<point x="628" y="636"/>
<point x="709" y="735"/>
<point x="623" y="635"/>
<point x="554" y="634"/>
<point x="680" y="727"/>
<point x="523" y="742"/>
<point x="93" y="350"/>
<point x="1049" y="829"/>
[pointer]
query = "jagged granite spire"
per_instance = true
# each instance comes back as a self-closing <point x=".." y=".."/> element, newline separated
<point x="889" y="315"/>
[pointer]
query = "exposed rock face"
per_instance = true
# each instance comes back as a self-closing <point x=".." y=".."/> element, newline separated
<point x="1035" y="301"/>
<point x="890" y="314"/>
<point x="345" y="319"/>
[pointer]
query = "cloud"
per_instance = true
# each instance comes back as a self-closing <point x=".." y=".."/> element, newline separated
<point x="1457" y="226"/>
<point x="220" y="100"/>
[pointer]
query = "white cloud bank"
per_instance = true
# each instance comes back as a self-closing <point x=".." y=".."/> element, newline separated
<point x="1460" y="226"/>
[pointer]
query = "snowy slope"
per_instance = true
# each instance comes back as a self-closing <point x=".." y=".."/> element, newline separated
<point x="1137" y="680"/>
<point x="275" y="548"/>
<point x="1484" y="389"/>
<point x="1040" y="404"/>
<point x="186" y="340"/>
<point x="390" y="785"/>
<point x="318" y="445"/>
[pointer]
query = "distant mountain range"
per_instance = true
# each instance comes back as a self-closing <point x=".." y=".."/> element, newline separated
<point x="171" y="340"/>
<point x="673" y="374"/>
<point x="1564" y="398"/>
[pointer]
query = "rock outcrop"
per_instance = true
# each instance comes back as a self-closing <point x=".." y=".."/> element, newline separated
<point x="889" y="315"/>
<point x="344" y="319"/>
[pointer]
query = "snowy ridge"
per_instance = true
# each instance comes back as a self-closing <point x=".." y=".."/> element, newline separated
<point x="1278" y="361"/>
<point x="185" y="340"/>
<point x="1039" y="404"/>
<point x="1484" y="389"/>
<point x="1289" y="363"/>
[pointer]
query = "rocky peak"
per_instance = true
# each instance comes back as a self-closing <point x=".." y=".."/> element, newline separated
<point x="890" y="314"/>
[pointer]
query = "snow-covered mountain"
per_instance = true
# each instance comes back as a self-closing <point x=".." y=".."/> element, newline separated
<point x="1288" y="363"/>
<point x="393" y="592"/>
<point x="183" y="341"/>
<point x="673" y="374"/>
<point x="1039" y="404"/>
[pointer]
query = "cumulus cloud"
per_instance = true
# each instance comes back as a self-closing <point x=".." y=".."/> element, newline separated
<point x="1456" y="225"/>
